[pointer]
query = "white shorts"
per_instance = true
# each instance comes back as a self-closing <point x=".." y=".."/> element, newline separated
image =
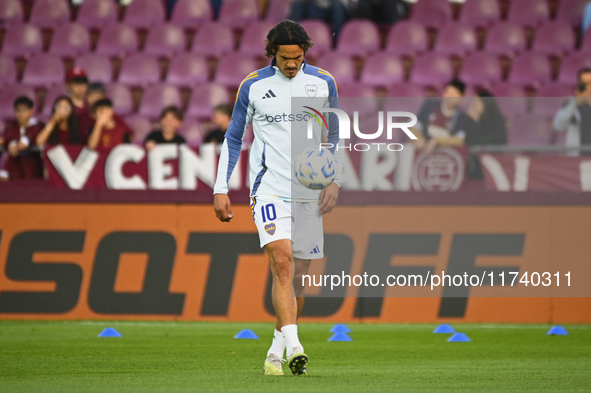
<point x="299" y="222"/>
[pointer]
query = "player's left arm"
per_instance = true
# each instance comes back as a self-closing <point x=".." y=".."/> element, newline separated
<point x="330" y="195"/>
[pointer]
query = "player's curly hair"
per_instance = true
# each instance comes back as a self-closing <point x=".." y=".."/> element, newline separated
<point x="287" y="32"/>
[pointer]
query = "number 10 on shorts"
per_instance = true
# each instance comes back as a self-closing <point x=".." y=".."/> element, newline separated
<point x="268" y="212"/>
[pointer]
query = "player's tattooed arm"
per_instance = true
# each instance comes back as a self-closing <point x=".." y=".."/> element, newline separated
<point x="328" y="198"/>
<point x="222" y="207"/>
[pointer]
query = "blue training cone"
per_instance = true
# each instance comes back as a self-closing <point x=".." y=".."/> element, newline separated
<point x="444" y="329"/>
<point x="340" y="328"/>
<point x="340" y="337"/>
<point x="557" y="331"/>
<point x="458" y="338"/>
<point x="109" y="332"/>
<point x="248" y="334"/>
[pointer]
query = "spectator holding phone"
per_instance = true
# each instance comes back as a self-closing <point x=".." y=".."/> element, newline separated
<point x="63" y="126"/>
<point x="109" y="130"/>
<point x="574" y="117"/>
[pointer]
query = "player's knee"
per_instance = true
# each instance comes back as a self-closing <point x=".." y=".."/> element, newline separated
<point x="282" y="269"/>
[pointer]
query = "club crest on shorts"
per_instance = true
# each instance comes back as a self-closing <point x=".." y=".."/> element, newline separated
<point x="311" y="90"/>
<point x="270" y="228"/>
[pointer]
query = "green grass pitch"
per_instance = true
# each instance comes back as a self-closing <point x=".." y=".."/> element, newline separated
<point x="198" y="357"/>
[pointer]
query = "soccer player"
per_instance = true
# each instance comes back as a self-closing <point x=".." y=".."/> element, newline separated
<point x="281" y="207"/>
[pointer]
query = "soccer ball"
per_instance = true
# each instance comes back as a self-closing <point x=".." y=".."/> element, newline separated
<point x="315" y="168"/>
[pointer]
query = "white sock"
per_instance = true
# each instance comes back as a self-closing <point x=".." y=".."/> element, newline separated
<point x="290" y="332"/>
<point x="278" y="345"/>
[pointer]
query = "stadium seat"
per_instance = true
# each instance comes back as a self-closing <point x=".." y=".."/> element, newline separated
<point x="50" y="13"/>
<point x="407" y="38"/>
<point x="556" y="38"/>
<point x="94" y="14"/>
<point x="321" y="35"/>
<point x="233" y="68"/>
<point x="156" y="98"/>
<point x="480" y="13"/>
<point x="550" y="98"/>
<point x="213" y="40"/>
<point x="121" y="97"/>
<point x="9" y="93"/>
<point x="512" y="99"/>
<point x="7" y="70"/>
<point x="405" y="97"/>
<point x="383" y="70"/>
<point x="140" y="126"/>
<point x="22" y="40"/>
<point x="530" y="13"/>
<point x="359" y="38"/>
<point x="191" y="13"/>
<point x="571" y="65"/>
<point x="143" y="14"/>
<point x="52" y="94"/>
<point x="340" y="65"/>
<point x="191" y="131"/>
<point x="358" y="97"/>
<point x="253" y="38"/>
<point x="571" y="11"/>
<point x="239" y="13"/>
<point x="188" y="70"/>
<point x="481" y="69"/>
<point x="139" y="69"/>
<point x="165" y="40"/>
<point x="356" y="89"/>
<point x="506" y="39"/>
<point x="530" y="69"/>
<point x="43" y="70"/>
<point x="432" y="69"/>
<point x="117" y="40"/>
<point x="278" y="10"/>
<point x="70" y="40"/>
<point x="456" y="39"/>
<point x="97" y="67"/>
<point x="529" y="130"/>
<point x="204" y="98"/>
<point x="432" y="13"/>
<point x="11" y="11"/>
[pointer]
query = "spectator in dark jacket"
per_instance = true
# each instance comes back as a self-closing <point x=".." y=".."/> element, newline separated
<point x="18" y="137"/>
<point x="171" y="120"/>
<point x="222" y="114"/>
<point x="490" y="128"/>
<point x="381" y="11"/>
<point x="441" y="122"/>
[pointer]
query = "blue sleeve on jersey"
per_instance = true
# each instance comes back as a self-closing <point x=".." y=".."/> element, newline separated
<point x="333" y="131"/>
<point x="237" y="126"/>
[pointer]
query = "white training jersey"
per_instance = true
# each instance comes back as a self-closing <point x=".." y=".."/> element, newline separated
<point x="265" y="99"/>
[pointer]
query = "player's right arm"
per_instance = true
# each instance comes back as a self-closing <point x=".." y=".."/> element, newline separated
<point x="241" y="118"/>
